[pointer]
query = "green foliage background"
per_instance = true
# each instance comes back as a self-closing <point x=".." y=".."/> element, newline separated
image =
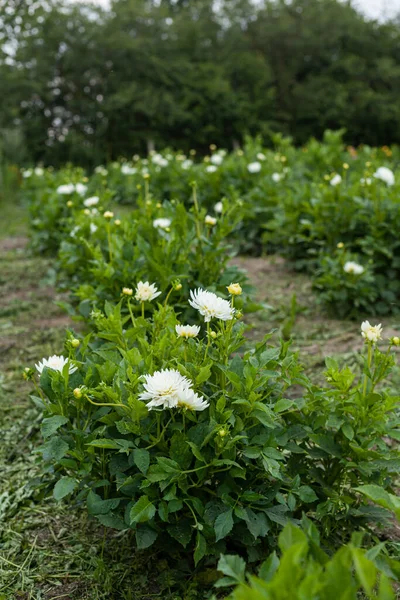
<point x="86" y="85"/>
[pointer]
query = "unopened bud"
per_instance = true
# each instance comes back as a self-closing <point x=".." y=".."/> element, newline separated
<point x="77" y="393"/>
<point x="75" y="343"/>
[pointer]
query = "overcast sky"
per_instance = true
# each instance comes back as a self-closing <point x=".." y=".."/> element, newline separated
<point x="376" y="9"/>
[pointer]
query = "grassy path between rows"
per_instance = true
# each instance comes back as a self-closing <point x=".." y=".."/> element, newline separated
<point x="49" y="550"/>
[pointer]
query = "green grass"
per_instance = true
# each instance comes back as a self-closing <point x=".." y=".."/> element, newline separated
<point x="50" y="550"/>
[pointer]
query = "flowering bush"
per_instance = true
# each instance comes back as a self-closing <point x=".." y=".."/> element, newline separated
<point x="174" y="431"/>
<point x="297" y="202"/>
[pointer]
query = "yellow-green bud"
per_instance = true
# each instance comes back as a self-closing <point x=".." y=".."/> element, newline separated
<point x="222" y="433"/>
<point x="235" y="289"/>
<point x="213" y="334"/>
<point x="70" y="204"/>
<point x="75" y="343"/>
<point x="77" y="393"/>
<point x="396" y="341"/>
<point x="117" y="222"/>
<point x="127" y="291"/>
<point x="108" y="214"/>
<point x="340" y="245"/>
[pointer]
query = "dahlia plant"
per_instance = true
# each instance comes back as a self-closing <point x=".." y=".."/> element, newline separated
<point x="177" y="432"/>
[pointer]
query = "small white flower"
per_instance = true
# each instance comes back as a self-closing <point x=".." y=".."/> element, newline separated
<point x="218" y="207"/>
<point x="92" y="201"/>
<point x="211" y="168"/>
<point x="127" y="170"/>
<point x="163" y="388"/>
<point x="145" y="292"/>
<point x="216" y="159"/>
<point x="188" y="399"/>
<point x="161" y="223"/>
<point x="371" y="333"/>
<point x="210" y="305"/>
<point x="57" y="363"/>
<point x="254" y="167"/>
<point x="336" y="179"/>
<point x="366" y="180"/>
<point x="101" y="170"/>
<point x="353" y="268"/>
<point x="385" y="174"/>
<point x="159" y="160"/>
<point x="65" y="189"/>
<point x="74" y="231"/>
<point x="80" y="189"/>
<point x="186" y="164"/>
<point x="276" y="177"/>
<point x="187" y="331"/>
<point x="261" y="156"/>
<point x="27" y="173"/>
<point x="93" y="228"/>
<point x="209" y="220"/>
<point x="39" y="171"/>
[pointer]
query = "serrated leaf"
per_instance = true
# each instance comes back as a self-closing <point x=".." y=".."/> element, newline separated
<point x="141" y="458"/>
<point x="143" y="510"/>
<point x="145" y="536"/>
<point x="233" y="567"/>
<point x="64" y="487"/>
<point x="223" y="525"/>
<point x="50" y="425"/>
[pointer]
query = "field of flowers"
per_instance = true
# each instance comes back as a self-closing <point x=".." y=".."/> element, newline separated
<point x="195" y="442"/>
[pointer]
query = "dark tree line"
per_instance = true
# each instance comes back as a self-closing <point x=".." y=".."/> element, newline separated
<point x="86" y="85"/>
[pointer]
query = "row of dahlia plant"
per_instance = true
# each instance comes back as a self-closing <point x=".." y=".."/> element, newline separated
<point x="328" y="209"/>
<point x="187" y="438"/>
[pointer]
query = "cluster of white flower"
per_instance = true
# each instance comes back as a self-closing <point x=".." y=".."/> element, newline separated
<point x="100" y="170"/>
<point x="353" y="268"/>
<point x="169" y="389"/>
<point x="186" y="164"/>
<point x="56" y="363"/>
<point x="70" y="188"/>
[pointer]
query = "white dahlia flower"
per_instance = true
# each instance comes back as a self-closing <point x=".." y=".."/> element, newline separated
<point x="209" y="220"/>
<point x="210" y="305"/>
<point x="211" y="168"/>
<point x="187" y="331"/>
<point x="218" y="207"/>
<point x="161" y="223"/>
<point x="186" y="164"/>
<point x="385" y="174"/>
<point x="336" y="179"/>
<point x="57" y="363"/>
<point x="127" y="170"/>
<point x="371" y="333"/>
<point x="163" y="388"/>
<point x="27" y="173"/>
<point x="80" y="189"/>
<point x="92" y="201"/>
<point x="353" y="268"/>
<point x="276" y="177"/>
<point x="67" y="188"/>
<point x="145" y="291"/>
<point x="254" y="167"/>
<point x="39" y="171"/>
<point x="188" y="399"/>
<point x="216" y="159"/>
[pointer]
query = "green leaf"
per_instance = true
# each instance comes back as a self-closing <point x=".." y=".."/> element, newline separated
<point x="291" y="535"/>
<point x="142" y="511"/>
<point x="381" y="497"/>
<point x="204" y="374"/>
<point x="269" y="567"/>
<point x="97" y="506"/>
<point x="64" y="487"/>
<point x="141" y="458"/>
<point x="365" y="570"/>
<point x="234" y="569"/>
<point x="55" y="449"/>
<point x="200" y="549"/>
<point x="145" y="536"/>
<point x="181" y="532"/>
<point x="307" y="494"/>
<point x="223" y="524"/>
<point x="50" y="425"/>
<point x="112" y="521"/>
